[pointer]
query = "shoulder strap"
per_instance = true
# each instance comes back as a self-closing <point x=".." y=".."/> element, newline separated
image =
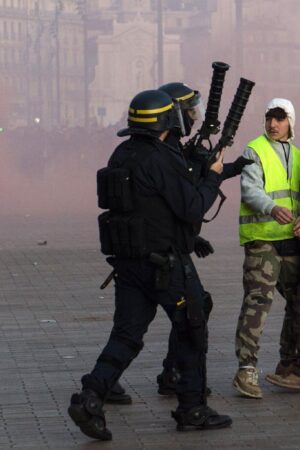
<point x="222" y="200"/>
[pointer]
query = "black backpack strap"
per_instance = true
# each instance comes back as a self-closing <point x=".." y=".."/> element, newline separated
<point x="222" y="200"/>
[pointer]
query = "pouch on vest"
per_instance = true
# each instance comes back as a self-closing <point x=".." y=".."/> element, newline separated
<point x="122" y="234"/>
<point x="114" y="189"/>
<point x="104" y="233"/>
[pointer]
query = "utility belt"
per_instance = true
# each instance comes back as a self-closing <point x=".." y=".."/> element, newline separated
<point x="164" y="265"/>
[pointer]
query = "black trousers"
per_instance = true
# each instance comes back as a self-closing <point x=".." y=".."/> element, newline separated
<point x="170" y="361"/>
<point x="136" y="301"/>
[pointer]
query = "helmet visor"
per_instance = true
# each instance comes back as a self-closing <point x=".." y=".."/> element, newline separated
<point x="197" y="111"/>
<point x="192" y="104"/>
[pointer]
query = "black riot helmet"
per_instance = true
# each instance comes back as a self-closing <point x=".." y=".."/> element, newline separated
<point x="150" y="112"/>
<point x="190" y="102"/>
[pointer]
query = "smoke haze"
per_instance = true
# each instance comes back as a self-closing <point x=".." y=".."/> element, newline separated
<point x="48" y="166"/>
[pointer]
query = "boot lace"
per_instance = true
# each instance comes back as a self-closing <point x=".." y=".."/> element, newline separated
<point x="252" y="376"/>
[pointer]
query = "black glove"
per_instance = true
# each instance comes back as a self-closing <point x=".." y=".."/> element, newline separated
<point x="202" y="247"/>
<point x="240" y="163"/>
<point x="235" y="168"/>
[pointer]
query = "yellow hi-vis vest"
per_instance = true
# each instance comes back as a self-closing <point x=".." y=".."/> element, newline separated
<point x="284" y="192"/>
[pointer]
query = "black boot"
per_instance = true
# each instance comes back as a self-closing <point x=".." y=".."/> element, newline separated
<point x="167" y="381"/>
<point x="200" y="418"/>
<point x="118" y="395"/>
<point x="86" y="412"/>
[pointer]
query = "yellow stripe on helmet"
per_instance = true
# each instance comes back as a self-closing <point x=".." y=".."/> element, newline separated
<point x="151" y="111"/>
<point x="185" y="97"/>
<point x="142" y="119"/>
<point x="154" y="111"/>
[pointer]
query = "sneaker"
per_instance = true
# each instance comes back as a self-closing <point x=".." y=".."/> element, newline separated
<point x="246" y="382"/>
<point x="288" y="380"/>
<point x="284" y="368"/>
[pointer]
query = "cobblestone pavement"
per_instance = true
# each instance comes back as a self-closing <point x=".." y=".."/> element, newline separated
<point x="54" y="321"/>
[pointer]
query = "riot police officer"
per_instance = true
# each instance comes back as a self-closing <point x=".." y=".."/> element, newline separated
<point x="192" y="109"/>
<point x="154" y="206"/>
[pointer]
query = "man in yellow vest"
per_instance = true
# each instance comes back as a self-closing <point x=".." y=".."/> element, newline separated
<point x="268" y="228"/>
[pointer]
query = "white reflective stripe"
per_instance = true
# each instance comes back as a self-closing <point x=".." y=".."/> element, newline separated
<point x="283" y="193"/>
<point x="255" y="219"/>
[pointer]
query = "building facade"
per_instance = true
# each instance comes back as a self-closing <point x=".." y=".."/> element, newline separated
<point x="77" y="62"/>
<point x="68" y="63"/>
<point x="41" y="62"/>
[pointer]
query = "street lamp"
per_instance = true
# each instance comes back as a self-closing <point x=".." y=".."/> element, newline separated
<point x="82" y="10"/>
<point x="54" y="31"/>
<point x="41" y="136"/>
<point x="160" y="43"/>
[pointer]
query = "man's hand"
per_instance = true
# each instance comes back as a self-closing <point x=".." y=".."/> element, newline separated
<point x="297" y="228"/>
<point x="240" y="163"/>
<point x="217" y="166"/>
<point x="203" y="247"/>
<point x="282" y="215"/>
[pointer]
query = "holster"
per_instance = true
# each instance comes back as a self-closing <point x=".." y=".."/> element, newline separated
<point x="163" y="270"/>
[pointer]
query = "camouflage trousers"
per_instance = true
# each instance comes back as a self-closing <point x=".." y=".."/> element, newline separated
<point x="265" y="270"/>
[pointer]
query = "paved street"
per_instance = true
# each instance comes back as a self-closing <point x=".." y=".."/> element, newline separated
<point x="54" y="321"/>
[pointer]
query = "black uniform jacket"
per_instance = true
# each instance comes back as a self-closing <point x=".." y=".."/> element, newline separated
<point x="167" y="195"/>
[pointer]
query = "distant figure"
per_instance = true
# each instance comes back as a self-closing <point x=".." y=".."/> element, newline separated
<point x="269" y="208"/>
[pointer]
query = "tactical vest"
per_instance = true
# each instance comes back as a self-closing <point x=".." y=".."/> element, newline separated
<point x="135" y="225"/>
<point x="284" y="192"/>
